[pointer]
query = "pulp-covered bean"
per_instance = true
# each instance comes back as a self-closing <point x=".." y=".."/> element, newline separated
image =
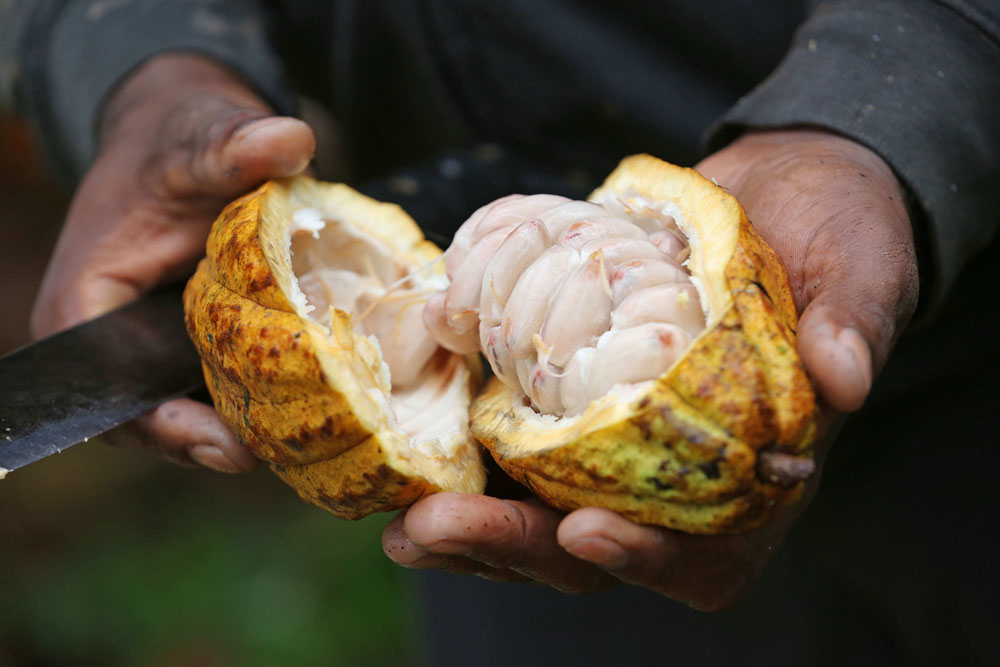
<point x="579" y="312"/>
<point x="397" y="322"/>
<point x="437" y="324"/>
<point x="504" y="212"/>
<point x="461" y="307"/>
<point x="638" y="274"/>
<point x="591" y="229"/>
<point x="619" y="250"/>
<point x="673" y="302"/>
<point x="522" y="246"/>
<point x="635" y="355"/>
<point x="529" y="301"/>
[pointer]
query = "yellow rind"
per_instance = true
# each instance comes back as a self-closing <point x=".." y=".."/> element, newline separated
<point x="357" y="483"/>
<point x="684" y="454"/>
<point x="297" y="395"/>
<point x="368" y="478"/>
<point x="264" y="374"/>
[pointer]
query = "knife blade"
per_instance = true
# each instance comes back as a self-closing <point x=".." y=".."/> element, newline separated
<point x="84" y="381"/>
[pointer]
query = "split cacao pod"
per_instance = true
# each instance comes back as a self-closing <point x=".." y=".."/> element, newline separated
<point x="303" y="388"/>
<point x="725" y="434"/>
<point x="711" y="445"/>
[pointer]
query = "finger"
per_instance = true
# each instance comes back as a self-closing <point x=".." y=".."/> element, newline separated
<point x="402" y="551"/>
<point x="89" y="298"/>
<point x="233" y="151"/>
<point x="504" y="534"/>
<point x="706" y="572"/>
<point x="186" y="432"/>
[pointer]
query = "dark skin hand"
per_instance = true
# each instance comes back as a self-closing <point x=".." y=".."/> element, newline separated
<point x="835" y="214"/>
<point x="180" y="139"/>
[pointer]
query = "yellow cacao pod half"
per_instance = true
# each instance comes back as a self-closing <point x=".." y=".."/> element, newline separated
<point x="720" y="437"/>
<point x="306" y="290"/>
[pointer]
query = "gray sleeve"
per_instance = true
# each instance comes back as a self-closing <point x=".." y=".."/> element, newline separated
<point x="918" y="82"/>
<point x="59" y="59"/>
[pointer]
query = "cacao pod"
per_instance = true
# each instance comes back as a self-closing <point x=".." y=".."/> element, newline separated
<point x="292" y="368"/>
<point x="307" y="299"/>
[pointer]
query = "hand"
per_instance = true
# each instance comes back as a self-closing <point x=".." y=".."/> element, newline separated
<point x="834" y="212"/>
<point x="179" y="139"/>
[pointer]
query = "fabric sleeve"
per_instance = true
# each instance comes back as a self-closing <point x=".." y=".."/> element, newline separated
<point x="59" y="59"/>
<point x="918" y="82"/>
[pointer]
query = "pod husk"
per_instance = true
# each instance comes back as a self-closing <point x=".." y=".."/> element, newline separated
<point x="688" y="451"/>
<point x="303" y="397"/>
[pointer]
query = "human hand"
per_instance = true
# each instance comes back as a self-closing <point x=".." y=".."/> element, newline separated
<point x="834" y="212"/>
<point x="180" y="138"/>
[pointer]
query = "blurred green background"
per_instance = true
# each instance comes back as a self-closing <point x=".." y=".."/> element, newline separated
<point x="108" y="557"/>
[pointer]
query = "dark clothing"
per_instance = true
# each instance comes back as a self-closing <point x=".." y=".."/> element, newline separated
<point x="578" y="83"/>
<point x="893" y="561"/>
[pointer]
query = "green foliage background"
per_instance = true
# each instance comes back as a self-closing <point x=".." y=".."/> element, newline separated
<point x="109" y="558"/>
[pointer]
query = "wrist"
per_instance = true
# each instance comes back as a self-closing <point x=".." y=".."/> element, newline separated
<point x="144" y="102"/>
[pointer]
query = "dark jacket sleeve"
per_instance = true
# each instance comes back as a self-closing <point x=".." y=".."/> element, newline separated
<point x="59" y="59"/>
<point x="918" y="82"/>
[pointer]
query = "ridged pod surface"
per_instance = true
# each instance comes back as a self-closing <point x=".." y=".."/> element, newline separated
<point x="725" y="434"/>
<point x="311" y="395"/>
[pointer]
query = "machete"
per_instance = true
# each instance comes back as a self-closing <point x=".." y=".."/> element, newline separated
<point x="81" y="382"/>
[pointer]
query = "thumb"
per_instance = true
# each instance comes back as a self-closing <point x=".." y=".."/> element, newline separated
<point x="142" y="212"/>
<point x="837" y="355"/>
<point x="231" y="153"/>
<point x="863" y="288"/>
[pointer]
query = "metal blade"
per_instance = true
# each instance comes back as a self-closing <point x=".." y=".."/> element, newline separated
<point x="84" y="381"/>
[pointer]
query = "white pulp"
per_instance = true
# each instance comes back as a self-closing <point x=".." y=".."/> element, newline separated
<point x="573" y="300"/>
<point x="339" y="267"/>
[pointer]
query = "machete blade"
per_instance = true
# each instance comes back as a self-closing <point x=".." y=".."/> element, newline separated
<point x="86" y="380"/>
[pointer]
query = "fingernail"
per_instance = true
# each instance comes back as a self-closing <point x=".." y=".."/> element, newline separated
<point x="212" y="457"/>
<point x="258" y="126"/>
<point x="842" y="365"/>
<point x="450" y="548"/>
<point x="290" y="160"/>
<point x="600" y="551"/>
<point x="403" y="552"/>
<point x="855" y="344"/>
<point x="241" y="458"/>
<point x="296" y="168"/>
<point x="430" y="561"/>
